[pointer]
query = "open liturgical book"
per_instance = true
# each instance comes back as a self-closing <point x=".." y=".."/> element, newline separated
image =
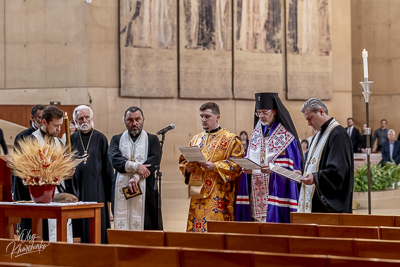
<point x="246" y="163"/>
<point x="291" y="175"/>
<point x="192" y="153"/>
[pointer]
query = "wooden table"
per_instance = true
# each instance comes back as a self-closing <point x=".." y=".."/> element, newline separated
<point x="60" y="211"/>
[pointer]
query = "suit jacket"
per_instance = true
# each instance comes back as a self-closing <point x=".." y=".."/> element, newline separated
<point x="386" y="152"/>
<point x="355" y="139"/>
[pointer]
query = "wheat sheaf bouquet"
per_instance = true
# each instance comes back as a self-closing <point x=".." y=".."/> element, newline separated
<point x="39" y="163"/>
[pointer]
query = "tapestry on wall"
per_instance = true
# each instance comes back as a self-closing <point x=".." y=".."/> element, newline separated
<point x="148" y="48"/>
<point x="205" y="65"/>
<point x="258" y="59"/>
<point x="309" y="49"/>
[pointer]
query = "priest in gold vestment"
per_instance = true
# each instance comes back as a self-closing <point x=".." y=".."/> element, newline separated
<point x="212" y="183"/>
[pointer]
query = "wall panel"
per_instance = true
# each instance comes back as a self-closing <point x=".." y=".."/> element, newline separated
<point x="309" y="49"/>
<point x="148" y="48"/>
<point x="205" y="49"/>
<point x="258" y="58"/>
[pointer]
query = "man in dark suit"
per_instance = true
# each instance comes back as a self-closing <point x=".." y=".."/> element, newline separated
<point x="391" y="149"/>
<point x="16" y="182"/>
<point x="354" y="134"/>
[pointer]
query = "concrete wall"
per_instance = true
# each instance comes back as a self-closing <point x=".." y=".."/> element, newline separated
<point x="376" y="27"/>
<point x="68" y="51"/>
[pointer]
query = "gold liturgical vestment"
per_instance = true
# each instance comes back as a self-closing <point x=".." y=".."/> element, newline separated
<point x="218" y="186"/>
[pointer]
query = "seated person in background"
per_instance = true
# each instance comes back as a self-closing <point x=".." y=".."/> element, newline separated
<point x="391" y="149"/>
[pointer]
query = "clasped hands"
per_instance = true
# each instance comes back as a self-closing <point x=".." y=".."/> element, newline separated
<point x="143" y="173"/>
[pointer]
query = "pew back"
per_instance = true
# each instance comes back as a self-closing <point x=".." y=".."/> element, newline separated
<point x="138" y="238"/>
<point x="233" y="227"/>
<point x="288" y="229"/>
<point x="341" y="231"/>
<point x="343" y="219"/>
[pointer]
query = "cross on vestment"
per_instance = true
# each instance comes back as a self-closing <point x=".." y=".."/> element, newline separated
<point x="85" y="155"/>
<point x="280" y="139"/>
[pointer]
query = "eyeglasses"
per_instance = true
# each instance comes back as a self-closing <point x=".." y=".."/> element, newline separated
<point x="264" y="113"/>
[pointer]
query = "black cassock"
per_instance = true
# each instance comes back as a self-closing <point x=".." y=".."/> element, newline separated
<point x="93" y="180"/>
<point x="153" y="158"/>
<point x="334" y="181"/>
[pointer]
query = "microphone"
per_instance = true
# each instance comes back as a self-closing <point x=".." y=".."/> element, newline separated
<point x="166" y="129"/>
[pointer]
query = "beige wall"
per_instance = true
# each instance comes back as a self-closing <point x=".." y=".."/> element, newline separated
<point x="68" y="51"/>
<point x="376" y="27"/>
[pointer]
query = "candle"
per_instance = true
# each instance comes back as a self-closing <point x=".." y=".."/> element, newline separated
<point x="365" y="64"/>
<point x="67" y="132"/>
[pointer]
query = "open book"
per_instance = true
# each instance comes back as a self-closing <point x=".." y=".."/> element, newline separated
<point x="246" y="163"/>
<point x="291" y="175"/>
<point x="192" y="153"/>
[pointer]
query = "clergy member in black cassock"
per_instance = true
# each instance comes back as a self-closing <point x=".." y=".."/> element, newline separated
<point x="93" y="176"/>
<point x="329" y="169"/>
<point x="135" y="154"/>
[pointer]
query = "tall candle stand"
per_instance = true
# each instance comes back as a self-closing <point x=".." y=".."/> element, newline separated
<point x="366" y="85"/>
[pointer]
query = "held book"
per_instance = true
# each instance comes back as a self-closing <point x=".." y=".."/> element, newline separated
<point x="128" y="194"/>
<point x="291" y="175"/>
<point x="192" y="153"/>
<point x="246" y="163"/>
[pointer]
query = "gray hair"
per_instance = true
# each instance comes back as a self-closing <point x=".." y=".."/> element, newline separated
<point x="82" y="107"/>
<point x="314" y="104"/>
<point x="79" y="108"/>
<point x="391" y="130"/>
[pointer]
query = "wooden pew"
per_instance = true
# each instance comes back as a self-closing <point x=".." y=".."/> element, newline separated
<point x="282" y="244"/>
<point x="262" y="243"/>
<point x="341" y="231"/>
<point x="138" y="238"/>
<point x="294" y="229"/>
<point x="233" y="227"/>
<point x="334" y="261"/>
<point x="322" y="246"/>
<point x="366" y="220"/>
<point x="383" y="249"/>
<point x="64" y="254"/>
<point x="397" y="221"/>
<point x="59" y="254"/>
<point x="343" y="219"/>
<point x="315" y="218"/>
<point x="289" y="229"/>
<point x="389" y="233"/>
<point x="195" y="240"/>
<point x="128" y="256"/>
<point x="200" y="258"/>
<point x="259" y="259"/>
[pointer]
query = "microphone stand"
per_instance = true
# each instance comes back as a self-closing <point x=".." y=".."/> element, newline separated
<point x="158" y="180"/>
